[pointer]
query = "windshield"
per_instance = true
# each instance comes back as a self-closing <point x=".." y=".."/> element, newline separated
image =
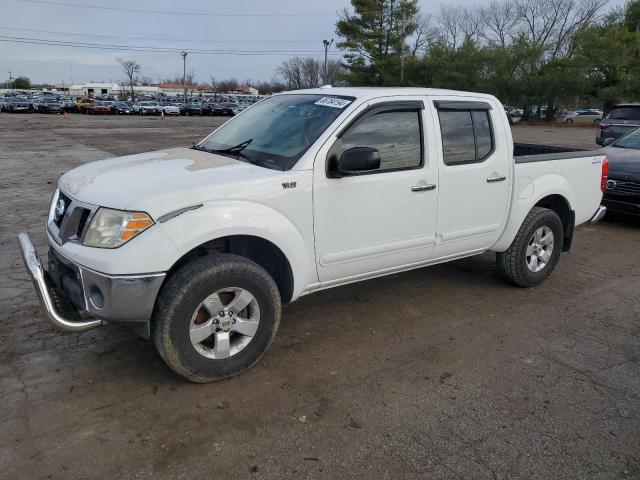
<point x="280" y="129"/>
<point x="631" y="140"/>
<point x="19" y="99"/>
<point x="625" y="113"/>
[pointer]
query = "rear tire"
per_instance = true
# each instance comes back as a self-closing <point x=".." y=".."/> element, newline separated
<point x="187" y="312"/>
<point x="534" y="253"/>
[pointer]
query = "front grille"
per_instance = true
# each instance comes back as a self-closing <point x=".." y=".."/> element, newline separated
<point x="71" y="225"/>
<point x="624" y="187"/>
<point x="58" y="218"/>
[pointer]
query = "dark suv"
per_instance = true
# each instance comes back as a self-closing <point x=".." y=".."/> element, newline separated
<point x="620" y="121"/>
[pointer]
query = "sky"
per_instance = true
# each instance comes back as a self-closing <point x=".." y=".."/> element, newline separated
<point x="256" y="36"/>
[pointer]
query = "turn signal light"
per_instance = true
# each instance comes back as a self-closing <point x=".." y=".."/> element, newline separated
<point x="138" y="223"/>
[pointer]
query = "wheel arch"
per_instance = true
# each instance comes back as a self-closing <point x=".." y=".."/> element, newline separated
<point x="240" y="226"/>
<point x="257" y="249"/>
<point x="561" y="206"/>
<point x="548" y="191"/>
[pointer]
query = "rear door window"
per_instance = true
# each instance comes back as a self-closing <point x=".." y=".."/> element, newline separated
<point x="467" y="136"/>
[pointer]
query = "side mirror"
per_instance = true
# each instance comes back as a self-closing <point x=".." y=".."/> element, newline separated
<point x="358" y="160"/>
<point x="608" y="141"/>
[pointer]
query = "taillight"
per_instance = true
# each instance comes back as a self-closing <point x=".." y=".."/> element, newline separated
<point x="605" y="174"/>
<point x="602" y="126"/>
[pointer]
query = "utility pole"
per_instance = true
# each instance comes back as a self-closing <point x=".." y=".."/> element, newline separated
<point x="326" y="44"/>
<point x="184" y="74"/>
<point x="10" y="80"/>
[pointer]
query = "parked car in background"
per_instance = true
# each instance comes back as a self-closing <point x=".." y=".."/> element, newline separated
<point x="99" y="108"/>
<point x="149" y="108"/>
<point x="170" y="109"/>
<point x="198" y="248"/>
<point x="588" y="117"/>
<point x="226" y="108"/>
<point x="68" y="104"/>
<point x="83" y="104"/>
<point x="206" y="108"/>
<point x="18" y="104"/>
<point x="621" y="120"/>
<point x="49" y="104"/>
<point x="121" y="108"/>
<point x="191" y="109"/>
<point x="623" y="185"/>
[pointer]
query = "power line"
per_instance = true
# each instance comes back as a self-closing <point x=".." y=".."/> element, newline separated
<point x="171" y="39"/>
<point x="137" y="48"/>
<point x="176" y="12"/>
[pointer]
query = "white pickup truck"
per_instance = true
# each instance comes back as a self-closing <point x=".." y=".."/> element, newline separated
<point x="199" y="247"/>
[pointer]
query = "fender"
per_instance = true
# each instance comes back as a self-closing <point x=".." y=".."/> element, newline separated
<point x="240" y="217"/>
<point x="527" y="194"/>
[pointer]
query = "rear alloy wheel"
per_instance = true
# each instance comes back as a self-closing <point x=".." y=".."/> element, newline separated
<point x="540" y="249"/>
<point x="535" y="251"/>
<point x="215" y="317"/>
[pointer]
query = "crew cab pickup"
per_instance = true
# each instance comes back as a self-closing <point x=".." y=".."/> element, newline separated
<point x="199" y="247"/>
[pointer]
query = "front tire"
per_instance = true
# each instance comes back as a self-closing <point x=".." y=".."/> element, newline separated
<point x="534" y="253"/>
<point x="216" y="317"/>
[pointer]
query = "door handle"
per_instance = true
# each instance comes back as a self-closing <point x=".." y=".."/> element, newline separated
<point x="499" y="178"/>
<point x="423" y="188"/>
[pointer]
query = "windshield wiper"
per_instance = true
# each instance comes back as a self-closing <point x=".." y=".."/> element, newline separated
<point x="236" y="149"/>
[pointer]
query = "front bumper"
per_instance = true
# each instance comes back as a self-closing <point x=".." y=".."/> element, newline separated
<point x="67" y="291"/>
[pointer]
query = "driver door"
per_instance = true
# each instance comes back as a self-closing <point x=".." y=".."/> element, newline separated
<point x="379" y="220"/>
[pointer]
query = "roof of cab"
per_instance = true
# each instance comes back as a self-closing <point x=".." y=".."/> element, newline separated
<point x="363" y="93"/>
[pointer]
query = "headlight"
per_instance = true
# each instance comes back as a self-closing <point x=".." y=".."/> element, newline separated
<point x="112" y="228"/>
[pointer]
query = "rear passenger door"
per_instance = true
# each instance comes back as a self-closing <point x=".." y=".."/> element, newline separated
<point x="475" y="172"/>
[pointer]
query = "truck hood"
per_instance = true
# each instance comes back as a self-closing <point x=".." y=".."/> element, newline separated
<point x="164" y="181"/>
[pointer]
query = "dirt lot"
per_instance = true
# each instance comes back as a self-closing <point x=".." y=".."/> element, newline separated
<point x="444" y="372"/>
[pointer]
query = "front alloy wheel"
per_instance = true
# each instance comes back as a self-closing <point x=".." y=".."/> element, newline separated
<point x="224" y="323"/>
<point x="216" y="317"/>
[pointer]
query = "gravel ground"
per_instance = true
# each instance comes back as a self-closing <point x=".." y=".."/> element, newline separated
<point x="444" y="372"/>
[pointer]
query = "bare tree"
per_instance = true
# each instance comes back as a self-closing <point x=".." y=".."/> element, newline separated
<point x="500" y="20"/>
<point x="425" y="34"/>
<point x="450" y="20"/>
<point x="131" y="68"/>
<point x="551" y="23"/>
<point x="146" y="81"/>
<point x="471" y="23"/>
<point x="303" y="72"/>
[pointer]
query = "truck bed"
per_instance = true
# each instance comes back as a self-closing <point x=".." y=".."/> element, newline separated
<point x="529" y="152"/>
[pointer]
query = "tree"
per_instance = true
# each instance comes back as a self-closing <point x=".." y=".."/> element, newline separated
<point x="374" y="37"/>
<point x="632" y="16"/>
<point x="500" y="20"/>
<point x="146" y="81"/>
<point x="608" y="56"/>
<point x="22" y="83"/>
<point x="131" y="68"/>
<point x="307" y="72"/>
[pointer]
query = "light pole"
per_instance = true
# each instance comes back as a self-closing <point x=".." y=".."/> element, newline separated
<point x="184" y="74"/>
<point x="326" y="44"/>
<point x="10" y="80"/>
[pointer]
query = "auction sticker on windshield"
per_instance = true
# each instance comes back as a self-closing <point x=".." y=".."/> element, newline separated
<point x="333" y="102"/>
